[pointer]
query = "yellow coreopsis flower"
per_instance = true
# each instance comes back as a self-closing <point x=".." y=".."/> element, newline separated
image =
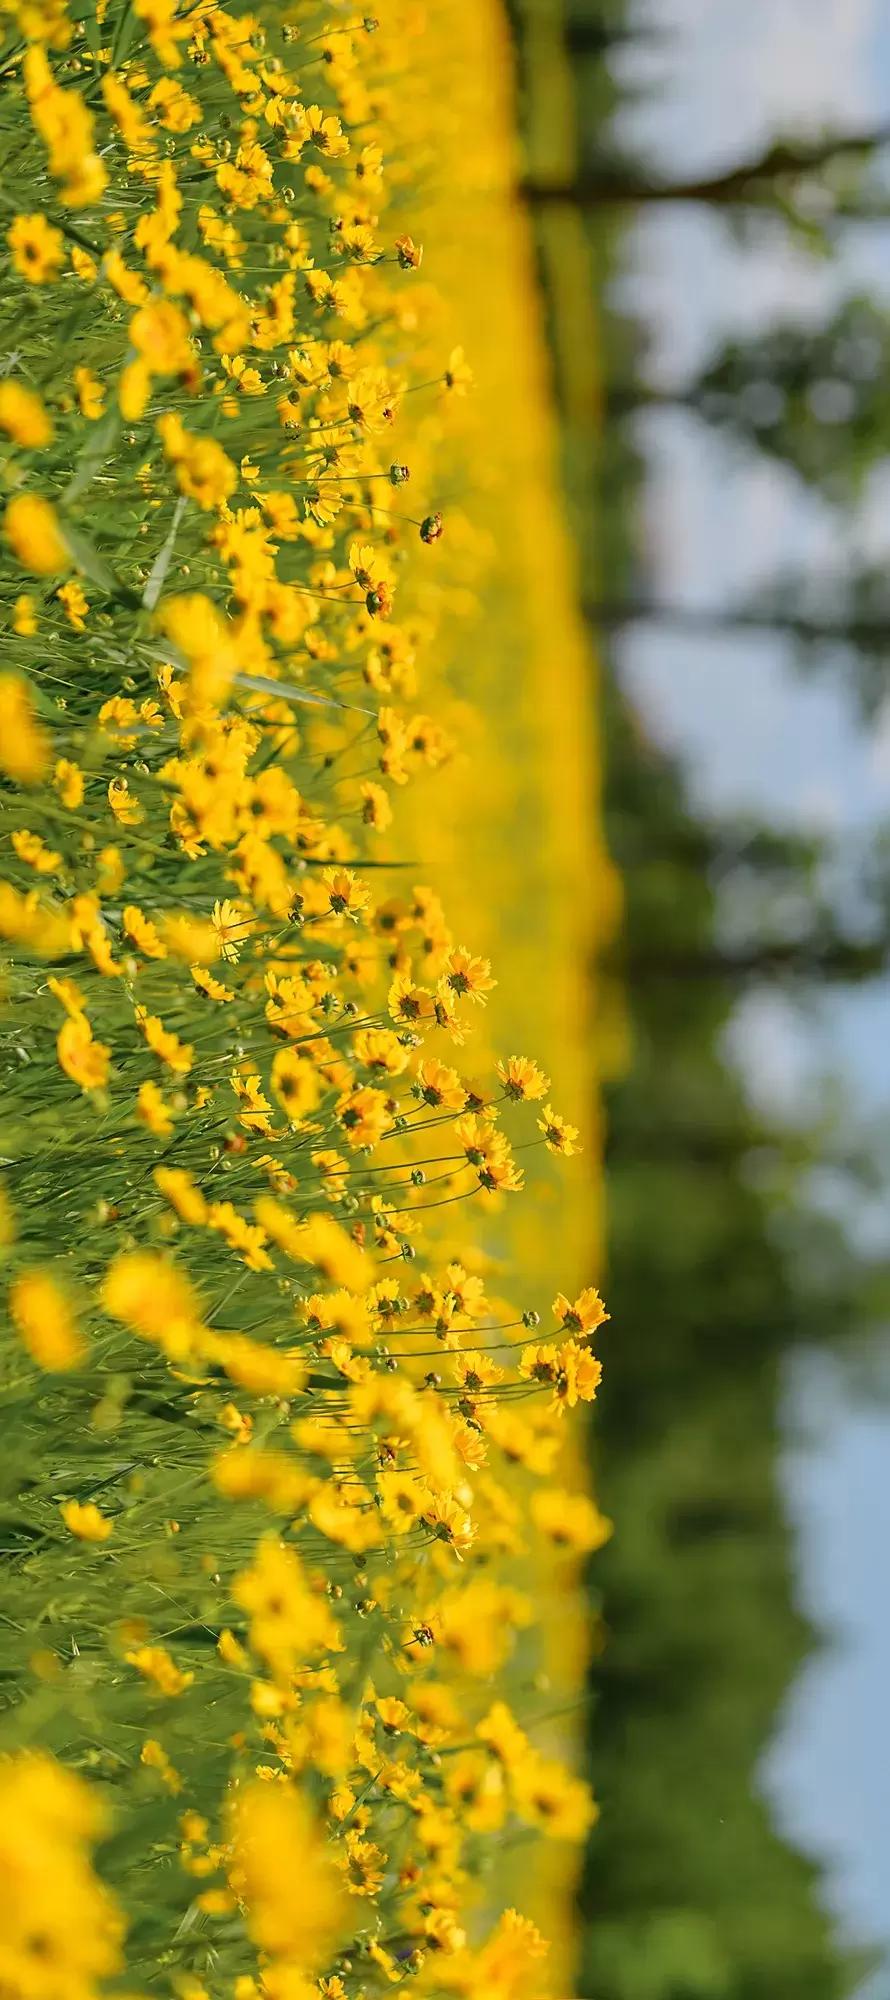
<point x="83" y="1519"/>
<point x="90" y="393"/>
<point x="45" y="1323"/>
<point x="275" y="1841"/>
<point x="156" y="1665"/>
<point x="32" y="530"/>
<point x="38" y="249"/>
<point x="24" y="746"/>
<point x="23" y="417"/>
<point x="83" y="1059"/>
<point x="69" y="783"/>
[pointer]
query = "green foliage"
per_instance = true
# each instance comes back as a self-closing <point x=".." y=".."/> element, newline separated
<point x="690" y="1889"/>
<point x="817" y="398"/>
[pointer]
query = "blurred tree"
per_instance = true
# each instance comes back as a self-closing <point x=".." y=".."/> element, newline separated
<point x="722" y="1260"/>
<point x="805" y="182"/>
<point x="830" y="623"/>
<point x="587" y="37"/>
<point x="716" y="1272"/>
<point x="792" y="907"/>
<point x="815" y="398"/>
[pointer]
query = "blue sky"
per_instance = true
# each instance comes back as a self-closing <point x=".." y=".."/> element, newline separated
<point x="726" y="77"/>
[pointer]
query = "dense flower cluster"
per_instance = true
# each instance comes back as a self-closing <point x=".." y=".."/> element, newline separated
<point x="278" y="1442"/>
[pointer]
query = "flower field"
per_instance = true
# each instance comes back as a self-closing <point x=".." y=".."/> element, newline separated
<point x="301" y="881"/>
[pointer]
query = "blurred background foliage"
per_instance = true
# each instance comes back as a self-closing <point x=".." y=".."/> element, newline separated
<point x="722" y="1259"/>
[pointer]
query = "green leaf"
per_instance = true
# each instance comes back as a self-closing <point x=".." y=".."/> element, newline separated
<point x="125" y="32"/>
<point x="158" y="572"/>
<point x="91" y="28"/>
<point x="93" y="565"/>
<point x="260" y="684"/>
<point x="93" y="454"/>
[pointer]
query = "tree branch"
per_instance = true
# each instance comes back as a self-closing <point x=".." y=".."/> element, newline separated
<point x="750" y="182"/>
<point x="694" y="618"/>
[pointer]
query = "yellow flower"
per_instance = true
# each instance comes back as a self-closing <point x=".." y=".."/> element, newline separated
<point x="275" y="1842"/>
<point x="458" y="376"/>
<point x="33" y="851"/>
<point x="44" y="1322"/>
<point x="148" y="1293"/>
<point x="468" y="976"/>
<point x="152" y="1111"/>
<point x="341" y="1260"/>
<point x="581" y="1315"/>
<point x="212" y="989"/>
<point x="66" y="127"/>
<point x="75" y="603"/>
<point x="289" y="1622"/>
<point x="176" y="109"/>
<point x="24" y="616"/>
<point x="60" y="1927"/>
<point x="376" y="809"/>
<point x="128" y="285"/>
<point x="247" y="1238"/>
<point x="449" y="1522"/>
<point x="84" y="1520"/>
<point x="176" y="1054"/>
<point x="189" y="937"/>
<point x="23" y="417"/>
<point x="134" y="389"/>
<point x="559" y="1135"/>
<point x="380" y="1050"/>
<point x="165" y="30"/>
<point x="348" y="896"/>
<point x="45" y="931"/>
<point x="178" y="1187"/>
<point x="262" y="1370"/>
<point x="156" y="1665"/>
<point x="155" y="1757"/>
<point x="24" y="746"/>
<point x="68" y="995"/>
<point x="83" y="264"/>
<point x="38" y="250"/>
<point x="207" y="642"/>
<point x="570" y="1520"/>
<point x="439" y="1086"/>
<point x="573" y="1373"/>
<point x="364" y="1115"/>
<point x="90" y="393"/>
<point x="203" y="470"/>
<point x="522" y="1079"/>
<point x="68" y="782"/>
<point x="402" y="1498"/>
<point x="232" y="927"/>
<point x="112" y="872"/>
<point x="551" y="1798"/>
<point x="142" y="932"/>
<point x="33" y="533"/>
<point x="85" y="1061"/>
<point x="127" y="810"/>
<point x="296" y="1085"/>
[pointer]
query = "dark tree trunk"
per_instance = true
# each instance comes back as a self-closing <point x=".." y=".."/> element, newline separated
<point x="705" y="619"/>
<point x="832" y="959"/>
<point x="752" y="182"/>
